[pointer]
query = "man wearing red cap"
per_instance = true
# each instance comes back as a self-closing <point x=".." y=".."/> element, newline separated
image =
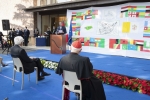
<point x="92" y="87"/>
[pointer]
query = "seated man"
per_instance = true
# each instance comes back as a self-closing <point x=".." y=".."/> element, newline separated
<point x="28" y="63"/>
<point x="1" y="61"/>
<point x="92" y="87"/>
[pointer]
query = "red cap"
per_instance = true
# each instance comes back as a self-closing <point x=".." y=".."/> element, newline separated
<point x="77" y="44"/>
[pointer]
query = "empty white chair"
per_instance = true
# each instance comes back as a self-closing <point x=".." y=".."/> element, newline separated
<point x="72" y="80"/>
<point x="18" y="67"/>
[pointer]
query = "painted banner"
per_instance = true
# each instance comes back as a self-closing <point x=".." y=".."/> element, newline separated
<point x="117" y="30"/>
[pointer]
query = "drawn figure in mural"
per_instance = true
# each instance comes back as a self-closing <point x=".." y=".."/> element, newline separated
<point x="106" y="28"/>
<point x="109" y="14"/>
<point x="134" y="27"/>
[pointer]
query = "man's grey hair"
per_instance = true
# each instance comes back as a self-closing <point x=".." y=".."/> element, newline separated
<point x="18" y="40"/>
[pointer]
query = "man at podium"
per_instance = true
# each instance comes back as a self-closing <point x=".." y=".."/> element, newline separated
<point x="61" y="29"/>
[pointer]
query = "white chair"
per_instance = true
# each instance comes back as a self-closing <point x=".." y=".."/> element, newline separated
<point x="18" y="67"/>
<point x="72" y="80"/>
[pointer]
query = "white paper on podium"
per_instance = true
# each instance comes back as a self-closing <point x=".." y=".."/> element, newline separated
<point x="60" y="31"/>
<point x="45" y="33"/>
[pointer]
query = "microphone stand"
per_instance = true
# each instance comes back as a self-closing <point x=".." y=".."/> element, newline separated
<point x="8" y="45"/>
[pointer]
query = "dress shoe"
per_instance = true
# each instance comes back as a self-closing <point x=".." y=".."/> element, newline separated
<point x="45" y="74"/>
<point x="5" y="65"/>
<point x="40" y="78"/>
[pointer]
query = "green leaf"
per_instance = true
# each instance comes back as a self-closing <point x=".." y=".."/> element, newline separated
<point x="88" y="27"/>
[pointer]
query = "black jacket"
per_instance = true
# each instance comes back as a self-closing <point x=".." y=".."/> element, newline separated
<point x="62" y="28"/>
<point x="76" y="63"/>
<point x="28" y="64"/>
<point x="92" y="87"/>
<point x="26" y="33"/>
<point x="20" y="33"/>
<point x="1" y="34"/>
<point x="49" y="33"/>
<point x="36" y="34"/>
<point x="11" y="34"/>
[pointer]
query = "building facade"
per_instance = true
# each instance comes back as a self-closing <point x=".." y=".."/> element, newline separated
<point x="49" y="2"/>
<point x="48" y="13"/>
<point x="43" y="20"/>
<point x="12" y="10"/>
<point x="44" y="13"/>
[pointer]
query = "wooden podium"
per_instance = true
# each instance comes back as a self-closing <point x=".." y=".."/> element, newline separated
<point x="58" y="44"/>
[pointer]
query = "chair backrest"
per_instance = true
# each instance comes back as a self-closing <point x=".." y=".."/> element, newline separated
<point x="72" y="79"/>
<point x="18" y="65"/>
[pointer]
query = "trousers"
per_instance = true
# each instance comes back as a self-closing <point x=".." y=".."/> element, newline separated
<point x="38" y="64"/>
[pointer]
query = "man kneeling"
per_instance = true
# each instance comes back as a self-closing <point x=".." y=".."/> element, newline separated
<point x="28" y="63"/>
<point x="92" y="87"/>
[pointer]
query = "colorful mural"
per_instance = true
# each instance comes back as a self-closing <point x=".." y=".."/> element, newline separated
<point x="93" y="42"/>
<point x="76" y="28"/>
<point x="124" y="44"/>
<point x="135" y="11"/>
<point x="89" y="14"/>
<point x="146" y="33"/>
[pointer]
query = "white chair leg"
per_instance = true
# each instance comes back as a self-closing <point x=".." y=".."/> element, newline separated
<point x="14" y="74"/>
<point x="28" y="77"/>
<point x="81" y="96"/>
<point x="63" y="92"/>
<point x="22" y="80"/>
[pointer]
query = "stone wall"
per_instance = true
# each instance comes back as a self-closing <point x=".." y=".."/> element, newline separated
<point x="13" y="11"/>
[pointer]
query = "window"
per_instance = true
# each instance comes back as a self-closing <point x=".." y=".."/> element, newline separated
<point x="43" y="2"/>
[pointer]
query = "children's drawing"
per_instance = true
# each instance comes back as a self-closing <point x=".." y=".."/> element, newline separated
<point x="109" y="15"/>
<point x="107" y="28"/>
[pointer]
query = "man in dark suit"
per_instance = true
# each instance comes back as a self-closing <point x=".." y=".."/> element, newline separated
<point x="36" y="32"/>
<point x="19" y="32"/>
<point x="28" y="63"/>
<point x="1" y="39"/>
<point x="61" y="29"/>
<point x="54" y="30"/>
<point x="14" y="32"/>
<point x="26" y="36"/>
<point x="47" y="34"/>
<point x="11" y="37"/>
<point x="92" y="87"/>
